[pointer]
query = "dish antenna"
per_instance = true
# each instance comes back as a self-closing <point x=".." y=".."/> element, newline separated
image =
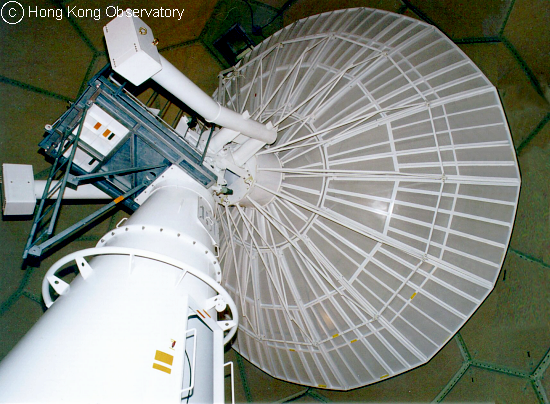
<point x="353" y="244"/>
<point x="399" y="185"/>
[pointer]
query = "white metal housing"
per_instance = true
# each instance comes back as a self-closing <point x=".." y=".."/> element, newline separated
<point x="101" y="132"/>
<point x="147" y="294"/>
<point x="132" y="51"/>
<point x="17" y="189"/>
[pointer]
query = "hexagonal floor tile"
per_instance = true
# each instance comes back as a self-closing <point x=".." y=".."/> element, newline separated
<point x="45" y="52"/>
<point x="482" y="386"/>
<point x="531" y="232"/>
<point x="528" y="30"/>
<point x="511" y="327"/>
<point x="459" y="19"/>
<point x="16" y="322"/>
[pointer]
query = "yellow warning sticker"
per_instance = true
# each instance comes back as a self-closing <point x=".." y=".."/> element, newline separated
<point x="164" y="357"/>
<point x="162" y="368"/>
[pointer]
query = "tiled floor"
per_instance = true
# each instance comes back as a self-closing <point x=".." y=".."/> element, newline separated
<point x="501" y="353"/>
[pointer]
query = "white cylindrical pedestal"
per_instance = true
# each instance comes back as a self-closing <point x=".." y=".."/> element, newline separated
<point x="119" y="332"/>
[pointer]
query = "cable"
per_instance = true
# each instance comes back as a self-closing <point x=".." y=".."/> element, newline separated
<point x="256" y="29"/>
<point x="189" y="361"/>
<point x="190" y="375"/>
<point x="251" y="13"/>
<point x="279" y="13"/>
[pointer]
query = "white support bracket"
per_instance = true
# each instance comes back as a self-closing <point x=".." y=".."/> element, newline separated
<point x="226" y="324"/>
<point x="59" y="285"/>
<point x="85" y="269"/>
<point x="217" y="302"/>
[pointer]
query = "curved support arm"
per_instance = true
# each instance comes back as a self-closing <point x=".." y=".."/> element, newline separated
<point x="185" y="90"/>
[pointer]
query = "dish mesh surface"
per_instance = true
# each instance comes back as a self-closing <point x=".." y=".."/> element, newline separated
<point x="397" y="203"/>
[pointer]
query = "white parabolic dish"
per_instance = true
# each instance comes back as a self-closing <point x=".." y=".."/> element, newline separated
<point x="397" y="203"/>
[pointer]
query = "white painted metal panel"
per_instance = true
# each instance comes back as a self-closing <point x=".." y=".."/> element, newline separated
<point x="132" y="48"/>
<point x="17" y="189"/>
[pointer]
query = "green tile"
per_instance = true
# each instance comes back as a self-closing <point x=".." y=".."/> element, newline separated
<point x="546" y="382"/>
<point x="197" y="64"/>
<point x="482" y="386"/>
<point x="273" y="3"/>
<point x="230" y="12"/>
<point x="411" y="14"/>
<point x="169" y="30"/>
<point x="23" y="115"/>
<point x="511" y="327"/>
<point x="240" y="395"/>
<point x="306" y="398"/>
<point x="460" y="19"/>
<point x="523" y="106"/>
<point x="528" y="29"/>
<point x="494" y="60"/>
<point x="99" y="63"/>
<point x="265" y="388"/>
<point x="44" y="52"/>
<point x="532" y="230"/>
<point x="538" y="136"/>
<point x="13" y="236"/>
<point x="16" y="322"/>
<point x="305" y="8"/>
<point x="96" y="64"/>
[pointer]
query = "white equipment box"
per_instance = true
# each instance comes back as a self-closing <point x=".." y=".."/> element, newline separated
<point x="132" y="50"/>
<point x="18" y="189"/>
<point x="101" y="132"/>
